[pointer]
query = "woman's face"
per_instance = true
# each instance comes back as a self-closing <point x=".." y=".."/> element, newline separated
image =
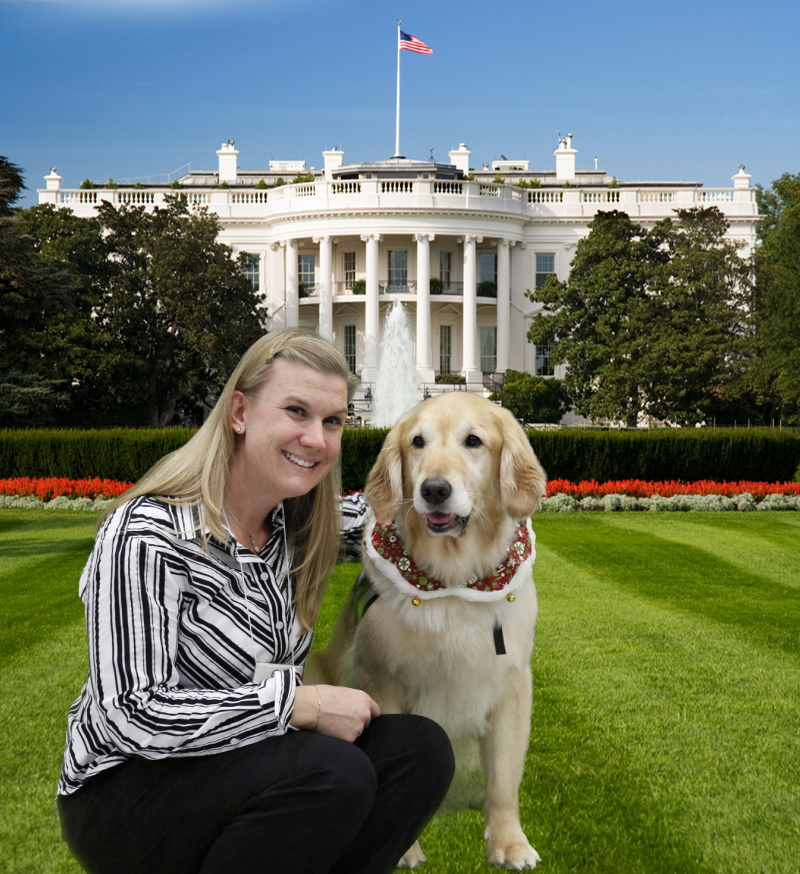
<point x="291" y="431"/>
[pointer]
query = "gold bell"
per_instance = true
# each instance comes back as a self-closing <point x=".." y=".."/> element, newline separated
<point x="510" y="596"/>
<point x="416" y="601"/>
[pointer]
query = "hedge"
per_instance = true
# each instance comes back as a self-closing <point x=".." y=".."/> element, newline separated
<point x="765" y="455"/>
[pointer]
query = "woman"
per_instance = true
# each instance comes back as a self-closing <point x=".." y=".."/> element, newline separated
<point x="194" y="746"/>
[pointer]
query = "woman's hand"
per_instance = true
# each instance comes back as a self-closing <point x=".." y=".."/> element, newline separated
<point x="343" y="712"/>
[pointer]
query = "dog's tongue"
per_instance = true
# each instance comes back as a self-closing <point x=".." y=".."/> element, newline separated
<point x="441" y="518"/>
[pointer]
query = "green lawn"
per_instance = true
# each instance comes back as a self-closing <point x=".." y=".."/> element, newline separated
<point x="666" y="710"/>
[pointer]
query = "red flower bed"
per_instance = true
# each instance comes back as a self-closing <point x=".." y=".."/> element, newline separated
<point x="637" y="488"/>
<point x="52" y="487"/>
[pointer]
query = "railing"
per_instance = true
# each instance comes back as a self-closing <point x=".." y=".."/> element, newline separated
<point x="372" y="194"/>
<point x="341" y="286"/>
<point x="448" y="187"/>
<point x="724" y="195"/>
<point x="395" y="287"/>
<point x="397" y="186"/>
<point x="537" y="195"/>
<point x="600" y="196"/>
<point x="647" y="196"/>
<point x="249" y="196"/>
<point x="449" y="287"/>
<point x="308" y="289"/>
<point x="346" y="188"/>
<point x="137" y="198"/>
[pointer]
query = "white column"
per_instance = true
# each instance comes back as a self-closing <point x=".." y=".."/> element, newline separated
<point x="469" y="364"/>
<point x="424" y="368"/>
<point x="325" y="288"/>
<point x="504" y="304"/>
<point x="292" y="286"/>
<point x="372" y="322"/>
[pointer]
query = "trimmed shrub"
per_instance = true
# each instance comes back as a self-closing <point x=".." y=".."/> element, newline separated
<point x="760" y="455"/>
<point x="688" y="454"/>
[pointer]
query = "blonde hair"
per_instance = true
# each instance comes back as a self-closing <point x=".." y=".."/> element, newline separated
<point x="197" y="473"/>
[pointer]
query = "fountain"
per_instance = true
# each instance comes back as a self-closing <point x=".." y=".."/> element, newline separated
<point x="396" y="386"/>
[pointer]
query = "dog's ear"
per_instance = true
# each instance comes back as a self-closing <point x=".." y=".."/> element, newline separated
<point x="384" y="490"/>
<point x="522" y="479"/>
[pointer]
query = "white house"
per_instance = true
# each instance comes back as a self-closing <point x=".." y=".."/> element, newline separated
<point x="456" y="247"/>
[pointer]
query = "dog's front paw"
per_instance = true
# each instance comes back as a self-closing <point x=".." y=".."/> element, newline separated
<point x="510" y="849"/>
<point x="412" y="857"/>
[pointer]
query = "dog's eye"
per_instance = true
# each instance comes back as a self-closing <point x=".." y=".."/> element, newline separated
<point x="418" y="442"/>
<point x="473" y="440"/>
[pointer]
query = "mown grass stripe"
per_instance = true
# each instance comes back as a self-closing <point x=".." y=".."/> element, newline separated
<point x="671" y="739"/>
<point x="764" y="608"/>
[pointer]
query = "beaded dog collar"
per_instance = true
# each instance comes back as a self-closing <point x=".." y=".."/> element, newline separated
<point x="386" y="548"/>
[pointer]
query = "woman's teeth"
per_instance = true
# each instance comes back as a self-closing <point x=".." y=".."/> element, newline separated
<point x="299" y="461"/>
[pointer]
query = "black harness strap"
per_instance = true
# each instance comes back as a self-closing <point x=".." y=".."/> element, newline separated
<point x="499" y="643"/>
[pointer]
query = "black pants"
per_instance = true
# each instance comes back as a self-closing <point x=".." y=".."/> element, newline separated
<point x="303" y="802"/>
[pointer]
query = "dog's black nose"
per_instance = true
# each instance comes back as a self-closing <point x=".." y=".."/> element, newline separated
<point x="435" y="490"/>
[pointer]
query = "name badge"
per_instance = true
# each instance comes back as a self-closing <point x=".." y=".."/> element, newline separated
<point x="264" y="670"/>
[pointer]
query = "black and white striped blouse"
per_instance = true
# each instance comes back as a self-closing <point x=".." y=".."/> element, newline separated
<point x="174" y="634"/>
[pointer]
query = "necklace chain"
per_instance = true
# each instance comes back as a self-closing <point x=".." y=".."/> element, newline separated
<point x="251" y="536"/>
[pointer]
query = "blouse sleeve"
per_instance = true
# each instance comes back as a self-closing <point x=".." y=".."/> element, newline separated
<point x="132" y="587"/>
<point x="354" y="510"/>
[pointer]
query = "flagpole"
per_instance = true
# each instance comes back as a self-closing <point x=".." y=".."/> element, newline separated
<point x="397" y="127"/>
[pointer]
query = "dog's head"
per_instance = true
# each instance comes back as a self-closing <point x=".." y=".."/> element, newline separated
<point x="452" y="457"/>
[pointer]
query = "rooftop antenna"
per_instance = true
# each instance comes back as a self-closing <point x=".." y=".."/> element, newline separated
<point x="433" y="160"/>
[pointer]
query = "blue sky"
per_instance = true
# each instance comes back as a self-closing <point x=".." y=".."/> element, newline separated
<point x="136" y="88"/>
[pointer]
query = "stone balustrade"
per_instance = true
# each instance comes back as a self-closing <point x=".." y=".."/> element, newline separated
<point x="386" y="194"/>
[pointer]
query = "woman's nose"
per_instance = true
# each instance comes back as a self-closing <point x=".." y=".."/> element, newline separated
<point x="314" y="435"/>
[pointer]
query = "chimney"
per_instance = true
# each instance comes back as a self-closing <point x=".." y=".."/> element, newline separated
<point x="333" y="160"/>
<point x="460" y="158"/>
<point x="565" y="160"/>
<point x="227" y="162"/>
<point x="54" y="180"/>
<point x="740" y="180"/>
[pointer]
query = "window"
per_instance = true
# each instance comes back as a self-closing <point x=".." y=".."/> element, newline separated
<point x="543" y="365"/>
<point x="398" y="270"/>
<point x="445" y="335"/>
<point x="445" y="268"/>
<point x="545" y="266"/>
<point x="488" y="350"/>
<point x="349" y="269"/>
<point x="251" y="268"/>
<point x="487" y="274"/>
<point x="306" y="274"/>
<point x="350" y="346"/>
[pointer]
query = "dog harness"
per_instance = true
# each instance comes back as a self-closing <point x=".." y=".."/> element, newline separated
<point x="385" y="547"/>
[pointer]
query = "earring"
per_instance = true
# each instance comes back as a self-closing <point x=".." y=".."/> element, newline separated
<point x="238" y="429"/>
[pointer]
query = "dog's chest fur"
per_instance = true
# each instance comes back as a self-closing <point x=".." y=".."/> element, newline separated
<point x="438" y="658"/>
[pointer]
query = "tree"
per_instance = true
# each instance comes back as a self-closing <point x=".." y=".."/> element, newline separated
<point x="533" y="398"/>
<point x="598" y="319"/>
<point x="701" y="307"/>
<point x="177" y="308"/>
<point x="778" y="287"/>
<point x="154" y="313"/>
<point x="31" y="291"/>
<point x="650" y="322"/>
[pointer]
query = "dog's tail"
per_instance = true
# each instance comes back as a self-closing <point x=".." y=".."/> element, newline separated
<point x="330" y="664"/>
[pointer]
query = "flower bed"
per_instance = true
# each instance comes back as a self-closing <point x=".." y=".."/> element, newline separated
<point x="636" y="488"/>
<point x="568" y="497"/>
<point x="563" y="496"/>
<point x="47" y="488"/>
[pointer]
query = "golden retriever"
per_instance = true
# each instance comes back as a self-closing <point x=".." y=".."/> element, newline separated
<point x="449" y="554"/>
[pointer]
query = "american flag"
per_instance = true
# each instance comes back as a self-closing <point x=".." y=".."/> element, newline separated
<point x="412" y="44"/>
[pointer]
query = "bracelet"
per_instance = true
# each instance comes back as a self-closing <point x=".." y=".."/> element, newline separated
<point x="319" y="705"/>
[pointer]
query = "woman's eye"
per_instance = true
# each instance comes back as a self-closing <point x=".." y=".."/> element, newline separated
<point x="334" y="420"/>
<point x="473" y="440"/>
<point x="297" y="411"/>
<point x="418" y="442"/>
